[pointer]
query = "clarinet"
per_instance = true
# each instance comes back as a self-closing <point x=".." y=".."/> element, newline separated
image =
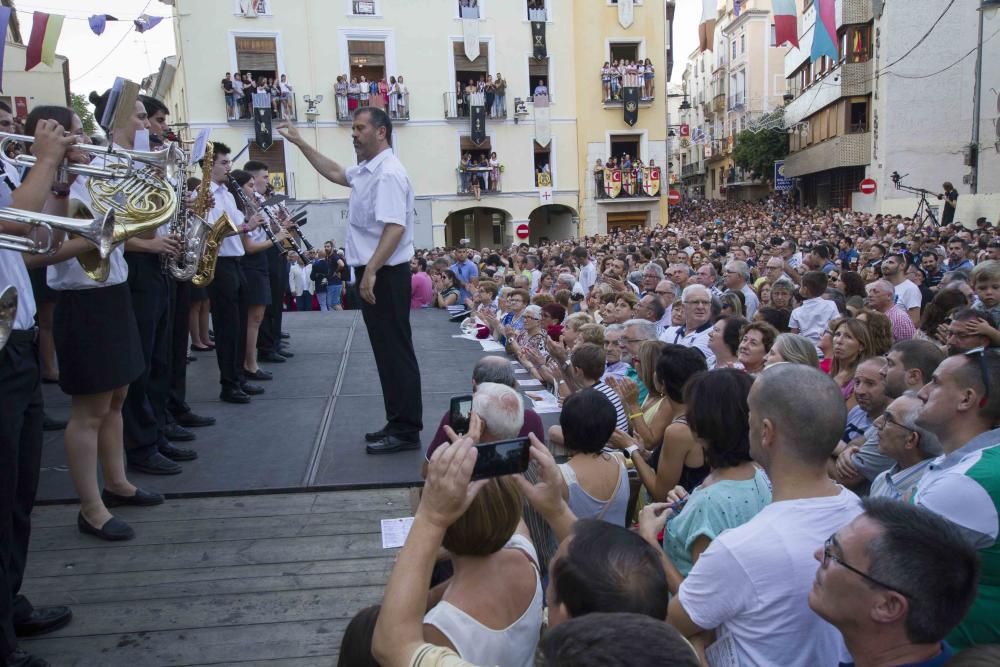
<point x="248" y="206"/>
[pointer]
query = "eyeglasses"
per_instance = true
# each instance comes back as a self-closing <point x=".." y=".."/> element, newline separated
<point x="980" y="353"/>
<point x="828" y="556"/>
<point x="887" y="419"/>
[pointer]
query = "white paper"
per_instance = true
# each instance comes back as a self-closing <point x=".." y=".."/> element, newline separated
<point x="529" y="383"/>
<point x="723" y="653"/>
<point x="491" y="346"/>
<point x="466" y="336"/>
<point x="520" y="370"/>
<point x="544" y="402"/>
<point x="394" y="532"/>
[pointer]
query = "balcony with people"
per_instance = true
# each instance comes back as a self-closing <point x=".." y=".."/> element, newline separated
<point x="247" y="90"/>
<point x="624" y="177"/>
<point x="479" y="171"/>
<point x="616" y="75"/>
<point x="480" y="90"/>
<point x="352" y="93"/>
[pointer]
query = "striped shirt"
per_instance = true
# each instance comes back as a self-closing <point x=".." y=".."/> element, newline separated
<point x="899" y="484"/>
<point x="622" y="421"/>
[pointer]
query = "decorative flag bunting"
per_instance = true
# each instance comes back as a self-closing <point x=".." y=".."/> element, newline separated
<point x="4" y="22"/>
<point x="736" y="8"/>
<point x="99" y="21"/>
<point x="825" y="32"/>
<point x="786" y="23"/>
<point x="706" y="30"/>
<point x="146" y="22"/>
<point x="45" y="29"/>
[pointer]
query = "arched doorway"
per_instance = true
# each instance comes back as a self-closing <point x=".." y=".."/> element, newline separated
<point x="553" y="222"/>
<point x="480" y="226"/>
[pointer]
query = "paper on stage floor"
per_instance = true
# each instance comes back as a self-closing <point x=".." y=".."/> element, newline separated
<point x="466" y="336"/>
<point x="394" y="532"/>
<point x="544" y="402"/>
<point x="529" y="383"/>
<point x="491" y="346"/>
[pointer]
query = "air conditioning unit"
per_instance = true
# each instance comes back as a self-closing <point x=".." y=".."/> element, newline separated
<point x="969" y="154"/>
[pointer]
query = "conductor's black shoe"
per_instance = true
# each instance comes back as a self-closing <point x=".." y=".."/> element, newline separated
<point x="270" y="358"/>
<point x="191" y="420"/>
<point x="391" y="444"/>
<point x="251" y="389"/>
<point x="43" y="620"/>
<point x="234" y="396"/>
<point x="157" y="464"/>
<point x="114" y="529"/>
<point x="175" y="453"/>
<point x="139" y="499"/>
<point x="177" y="433"/>
<point x="21" y="658"/>
<point x="375" y="436"/>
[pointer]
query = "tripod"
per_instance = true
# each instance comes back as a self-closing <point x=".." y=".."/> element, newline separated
<point x="924" y="214"/>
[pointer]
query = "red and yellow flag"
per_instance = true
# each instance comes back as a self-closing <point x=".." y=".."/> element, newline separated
<point x="45" y="29"/>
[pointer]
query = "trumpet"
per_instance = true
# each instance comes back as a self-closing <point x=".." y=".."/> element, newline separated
<point x="100" y="231"/>
<point x="8" y="313"/>
<point x="118" y="169"/>
<point x="249" y="206"/>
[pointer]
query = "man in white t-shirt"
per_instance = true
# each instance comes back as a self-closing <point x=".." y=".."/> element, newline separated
<point x="751" y="585"/>
<point x="588" y="273"/>
<point x="907" y="295"/>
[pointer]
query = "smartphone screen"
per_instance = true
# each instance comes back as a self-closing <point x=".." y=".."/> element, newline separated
<point x="461" y="408"/>
<point x="507" y="457"/>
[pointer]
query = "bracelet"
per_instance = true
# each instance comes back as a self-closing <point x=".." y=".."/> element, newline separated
<point x="634" y="415"/>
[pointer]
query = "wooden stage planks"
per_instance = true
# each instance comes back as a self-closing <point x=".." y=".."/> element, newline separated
<point x="238" y="580"/>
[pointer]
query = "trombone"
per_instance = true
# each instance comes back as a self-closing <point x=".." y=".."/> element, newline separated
<point x="116" y="170"/>
<point x="100" y="231"/>
<point x="8" y="313"/>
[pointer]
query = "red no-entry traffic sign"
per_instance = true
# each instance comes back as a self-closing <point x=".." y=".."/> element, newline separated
<point x="673" y="197"/>
<point x="868" y="186"/>
<point x="523" y="231"/>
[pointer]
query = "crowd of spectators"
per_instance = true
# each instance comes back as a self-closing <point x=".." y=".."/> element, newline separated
<point x="777" y="445"/>
<point x="354" y="92"/>
<point x="620" y="74"/>
<point x="238" y="91"/>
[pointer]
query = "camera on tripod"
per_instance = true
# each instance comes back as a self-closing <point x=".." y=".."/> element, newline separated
<point x="896" y="178"/>
<point x="924" y="213"/>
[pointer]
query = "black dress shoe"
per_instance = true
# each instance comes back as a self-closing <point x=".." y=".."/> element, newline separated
<point x="20" y="658"/>
<point x="375" y="436"/>
<point x="285" y="335"/>
<point x="43" y="620"/>
<point x="157" y="464"/>
<point x="259" y="374"/>
<point x="251" y="389"/>
<point x="234" y="396"/>
<point x="50" y="424"/>
<point x="286" y="355"/>
<point x="270" y="358"/>
<point x="175" y="453"/>
<point x="177" y="433"/>
<point x="140" y="499"/>
<point x="391" y="444"/>
<point x="199" y="348"/>
<point x="191" y="420"/>
<point x="113" y="530"/>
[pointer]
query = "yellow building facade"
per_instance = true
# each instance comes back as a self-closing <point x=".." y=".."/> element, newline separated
<point x="313" y="42"/>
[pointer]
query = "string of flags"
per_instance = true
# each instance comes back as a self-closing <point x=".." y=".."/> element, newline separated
<point x="98" y="22"/>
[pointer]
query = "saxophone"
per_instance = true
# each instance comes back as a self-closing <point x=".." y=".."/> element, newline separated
<point x="213" y="234"/>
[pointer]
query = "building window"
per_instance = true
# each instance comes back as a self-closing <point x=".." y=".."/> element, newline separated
<point x="543" y="162"/>
<point x="625" y="144"/>
<point x="774" y="35"/>
<point x="734" y="49"/>
<point x="367" y="60"/>
<point x="538" y="77"/>
<point x="537" y="11"/>
<point x="743" y="42"/>
<point x="257" y="56"/>
<point x="856" y="44"/>
<point x="468" y="9"/>
<point x="470" y="72"/>
<point x="252" y="8"/>
<point x="858" y="119"/>
<point x="364" y="8"/>
<point x="621" y="51"/>
<point x="474" y="167"/>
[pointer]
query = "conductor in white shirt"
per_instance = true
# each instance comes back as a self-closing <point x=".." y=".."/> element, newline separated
<point x="379" y="247"/>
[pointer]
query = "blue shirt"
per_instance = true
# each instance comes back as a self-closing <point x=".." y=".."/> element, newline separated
<point x="465" y="271"/>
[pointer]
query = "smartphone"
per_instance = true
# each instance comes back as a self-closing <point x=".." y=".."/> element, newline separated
<point x="461" y="408"/>
<point x="507" y="457"/>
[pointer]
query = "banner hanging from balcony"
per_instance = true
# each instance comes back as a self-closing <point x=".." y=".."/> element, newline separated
<point x="612" y="182"/>
<point x="651" y="182"/>
<point x="544" y="188"/>
<point x="478" y="114"/>
<point x="470" y="32"/>
<point x="825" y="31"/>
<point x="786" y="23"/>
<point x="263" y="136"/>
<point x="538" y="39"/>
<point x="706" y="29"/>
<point x="631" y="104"/>
<point x="626" y="13"/>
<point x="543" y="126"/>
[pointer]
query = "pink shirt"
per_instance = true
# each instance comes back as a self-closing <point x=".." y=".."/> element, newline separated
<point x="902" y="325"/>
<point x="422" y="290"/>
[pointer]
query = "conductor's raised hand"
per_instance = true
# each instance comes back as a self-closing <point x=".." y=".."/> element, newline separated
<point x="290" y="132"/>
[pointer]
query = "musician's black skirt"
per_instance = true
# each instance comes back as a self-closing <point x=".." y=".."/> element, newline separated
<point x="97" y="340"/>
<point x="258" y="282"/>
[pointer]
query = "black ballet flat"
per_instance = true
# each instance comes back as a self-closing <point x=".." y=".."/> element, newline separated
<point x="114" y="530"/>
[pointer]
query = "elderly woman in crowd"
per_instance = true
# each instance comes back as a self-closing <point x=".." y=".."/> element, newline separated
<point x="781" y="294"/>
<point x="724" y="341"/>
<point x="733" y="492"/>
<point x="756" y="340"/>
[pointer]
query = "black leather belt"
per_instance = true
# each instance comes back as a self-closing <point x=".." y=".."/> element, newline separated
<point x="24" y="335"/>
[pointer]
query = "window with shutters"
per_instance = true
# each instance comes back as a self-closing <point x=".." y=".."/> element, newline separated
<point x="257" y="56"/>
<point x="538" y="77"/>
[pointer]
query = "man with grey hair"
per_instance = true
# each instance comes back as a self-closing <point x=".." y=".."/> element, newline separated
<point x="707" y="276"/>
<point x="651" y="275"/>
<point x="697" y="325"/>
<point x="881" y="297"/>
<point x="491" y="369"/>
<point x="910" y="446"/>
<point x="680" y="274"/>
<point x="738" y="278"/>
<point x="667" y="291"/>
<point x="615" y="366"/>
<point x="501" y="410"/>
<point x="636" y="333"/>
<point x="567" y="281"/>
<point x="651" y="308"/>
<point x="751" y="583"/>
